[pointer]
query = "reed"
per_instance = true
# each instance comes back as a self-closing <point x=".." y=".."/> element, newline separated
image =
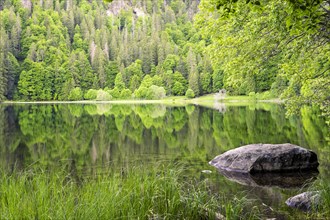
<point x="134" y="194"/>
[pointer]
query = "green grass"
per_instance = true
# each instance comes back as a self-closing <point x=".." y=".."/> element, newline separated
<point x="322" y="210"/>
<point x="134" y="194"/>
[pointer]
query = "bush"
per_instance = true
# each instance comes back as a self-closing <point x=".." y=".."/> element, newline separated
<point x="252" y="95"/>
<point x="279" y="85"/>
<point x="91" y="94"/>
<point x="103" y="96"/>
<point x="76" y="94"/>
<point x="115" y="93"/>
<point x="190" y="94"/>
<point x="267" y="95"/>
<point x="141" y="92"/>
<point x="156" y="92"/>
<point x="126" y="94"/>
<point x="178" y="89"/>
<point x="153" y="92"/>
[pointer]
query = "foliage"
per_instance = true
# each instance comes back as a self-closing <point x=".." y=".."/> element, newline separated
<point x="49" y="49"/>
<point x="190" y="94"/>
<point x="156" y="92"/>
<point x="242" y="46"/>
<point x="126" y="94"/>
<point x="91" y="94"/>
<point x="142" y="92"/>
<point x="278" y="45"/>
<point x="178" y="89"/>
<point x="103" y="95"/>
<point x="76" y="94"/>
<point x="115" y="93"/>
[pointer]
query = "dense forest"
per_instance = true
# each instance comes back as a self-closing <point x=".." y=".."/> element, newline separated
<point x="69" y="50"/>
<point x="79" y="49"/>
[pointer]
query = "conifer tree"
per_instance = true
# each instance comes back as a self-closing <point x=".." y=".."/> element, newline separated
<point x="193" y="77"/>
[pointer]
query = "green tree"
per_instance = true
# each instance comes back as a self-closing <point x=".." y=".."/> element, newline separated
<point x="126" y="94"/>
<point x="81" y="70"/>
<point x="91" y="94"/>
<point x="206" y="82"/>
<point x="111" y="71"/>
<point x="76" y="94"/>
<point x="37" y="83"/>
<point x="193" y="77"/>
<point x="119" y="82"/>
<point x="190" y="93"/>
<point x="135" y="69"/>
<point x="178" y="89"/>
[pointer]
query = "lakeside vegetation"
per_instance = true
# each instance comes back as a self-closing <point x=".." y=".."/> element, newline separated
<point x="127" y="194"/>
<point x="171" y="52"/>
<point x="133" y="193"/>
<point x="149" y="49"/>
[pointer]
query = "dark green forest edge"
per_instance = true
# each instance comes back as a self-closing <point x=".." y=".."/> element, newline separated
<point x="148" y="49"/>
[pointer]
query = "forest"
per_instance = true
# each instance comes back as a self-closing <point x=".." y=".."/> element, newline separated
<point x="149" y="49"/>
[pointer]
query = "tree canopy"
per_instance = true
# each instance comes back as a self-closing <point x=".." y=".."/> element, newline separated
<point x="281" y="46"/>
<point x="48" y="49"/>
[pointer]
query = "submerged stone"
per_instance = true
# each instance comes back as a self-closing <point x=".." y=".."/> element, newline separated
<point x="255" y="158"/>
<point x="271" y="179"/>
<point x="306" y="201"/>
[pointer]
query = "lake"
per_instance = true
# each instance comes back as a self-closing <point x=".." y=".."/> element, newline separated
<point x="85" y="138"/>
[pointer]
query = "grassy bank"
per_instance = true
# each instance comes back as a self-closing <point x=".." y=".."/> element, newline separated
<point x="322" y="211"/>
<point x="130" y="194"/>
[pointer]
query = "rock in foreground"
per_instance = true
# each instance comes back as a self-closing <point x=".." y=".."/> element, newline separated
<point x="256" y="158"/>
<point x="305" y="201"/>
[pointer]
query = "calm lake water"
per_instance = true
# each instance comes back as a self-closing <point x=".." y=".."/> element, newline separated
<point x="89" y="137"/>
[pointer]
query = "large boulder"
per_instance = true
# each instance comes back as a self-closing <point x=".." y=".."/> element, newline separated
<point x="306" y="201"/>
<point x="255" y="158"/>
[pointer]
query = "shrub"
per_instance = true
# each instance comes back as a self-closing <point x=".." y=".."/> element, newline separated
<point x="115" y="93"/>
<point x="76" y="94"/>
<point x="141" y="92"/>
<point x="103" y="96"/>
<point x="190" y="93"/>
<point x="267" y="95"/>
<point x="156" y="92"/>
<point x="252" y="94"/>
<point x="178" y="89"/>
<point x="91" y="94"/>
<point x="126" y="94"/>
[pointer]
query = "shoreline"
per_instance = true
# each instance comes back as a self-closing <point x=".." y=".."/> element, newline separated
<point x="167" y="101"/>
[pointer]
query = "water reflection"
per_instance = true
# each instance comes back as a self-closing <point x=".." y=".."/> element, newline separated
<point x="85" y="138"/>
<point x="98" y="135"/>
<point x="282" y="180"/>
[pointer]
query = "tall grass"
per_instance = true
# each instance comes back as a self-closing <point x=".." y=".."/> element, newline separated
<point x="134" y="194"/>
<point x="322" y="208"/>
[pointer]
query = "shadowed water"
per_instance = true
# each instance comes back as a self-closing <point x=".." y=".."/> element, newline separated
<point x="88" y="137"/>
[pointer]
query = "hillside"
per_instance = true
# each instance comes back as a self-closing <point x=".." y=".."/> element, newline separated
<point x="58" y="50"/>
<point x="148" y="49"/>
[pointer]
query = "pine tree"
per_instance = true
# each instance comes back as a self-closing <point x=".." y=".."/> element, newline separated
<point x="13" y="70"/>
<point x="2" y="75"/>
<point x="16" y="36"/>
<point x="119" y="82"/>
<point x="99" y="63"/>
<point x="193" y="77"/>
<point x="111" y="72"/>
